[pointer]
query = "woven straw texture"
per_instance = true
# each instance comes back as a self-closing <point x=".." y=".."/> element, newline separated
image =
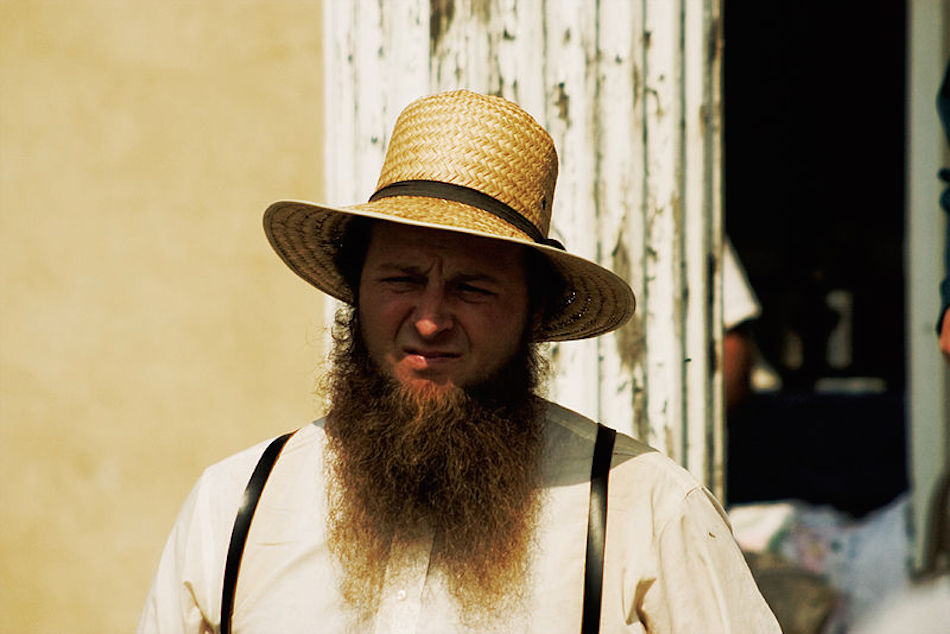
<point x="484" y="143"/>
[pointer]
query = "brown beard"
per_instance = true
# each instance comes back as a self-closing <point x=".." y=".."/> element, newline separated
<point x="462" y="463"/>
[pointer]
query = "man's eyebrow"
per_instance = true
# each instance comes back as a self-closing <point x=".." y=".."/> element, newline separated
<point x="395" y="266"/>
<point x="412" y="269"/>
<point x="475" y="277"/>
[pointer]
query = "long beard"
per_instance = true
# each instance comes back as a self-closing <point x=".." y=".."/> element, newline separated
<point x="462" y="463"/>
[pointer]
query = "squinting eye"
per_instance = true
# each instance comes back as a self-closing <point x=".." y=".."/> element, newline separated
<point x="473" y="291"/>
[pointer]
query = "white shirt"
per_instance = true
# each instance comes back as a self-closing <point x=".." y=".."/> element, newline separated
<point x="671" y="563"/>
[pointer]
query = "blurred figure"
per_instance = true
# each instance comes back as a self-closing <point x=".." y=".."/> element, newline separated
<point x="740" y="309"/>
<point x="943" y="325"/>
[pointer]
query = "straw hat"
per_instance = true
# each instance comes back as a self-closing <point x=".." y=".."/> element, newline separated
<point x="470" y="163"/>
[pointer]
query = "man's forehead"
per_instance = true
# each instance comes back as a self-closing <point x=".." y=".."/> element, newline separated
<point x="409" y="242"/>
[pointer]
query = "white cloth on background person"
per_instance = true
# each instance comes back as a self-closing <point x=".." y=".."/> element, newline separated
<point x="739" y="303"/>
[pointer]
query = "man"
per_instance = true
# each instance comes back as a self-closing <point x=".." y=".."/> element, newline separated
<point x="440" y="494"/>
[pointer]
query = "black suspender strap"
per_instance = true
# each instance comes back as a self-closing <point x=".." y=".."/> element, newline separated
<point x="596" y="528"/>
<point x="242" y="524"/>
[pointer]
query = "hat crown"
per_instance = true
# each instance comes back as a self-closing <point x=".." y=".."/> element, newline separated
<point x="481" y="142"/>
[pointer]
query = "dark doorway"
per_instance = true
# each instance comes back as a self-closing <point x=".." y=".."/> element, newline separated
<point x="814" y="195"/>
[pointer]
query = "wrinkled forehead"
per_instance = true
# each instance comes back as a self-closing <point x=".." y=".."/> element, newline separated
<point x="408" y="245"/>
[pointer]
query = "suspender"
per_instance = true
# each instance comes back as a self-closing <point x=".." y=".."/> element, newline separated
<point x="242" y="523"/>
<point x="596" y="528"/>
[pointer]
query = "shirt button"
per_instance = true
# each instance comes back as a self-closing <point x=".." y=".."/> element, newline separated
<point x="401" y="595"/>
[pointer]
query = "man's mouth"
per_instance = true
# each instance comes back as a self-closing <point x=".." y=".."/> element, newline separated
<point x="419" y="359"/>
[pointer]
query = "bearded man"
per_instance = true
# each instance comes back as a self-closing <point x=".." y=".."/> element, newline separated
<point x="441" y="493"/>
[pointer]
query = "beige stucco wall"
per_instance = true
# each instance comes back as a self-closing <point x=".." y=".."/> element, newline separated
<point x="146" y="328"/>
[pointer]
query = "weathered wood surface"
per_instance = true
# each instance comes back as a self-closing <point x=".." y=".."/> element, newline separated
<point x="630" y="92"/>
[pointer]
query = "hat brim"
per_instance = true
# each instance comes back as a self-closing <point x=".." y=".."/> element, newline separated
<point x="307" y="236"/>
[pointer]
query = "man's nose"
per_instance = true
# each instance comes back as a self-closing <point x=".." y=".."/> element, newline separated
<point x="432" y="313"/>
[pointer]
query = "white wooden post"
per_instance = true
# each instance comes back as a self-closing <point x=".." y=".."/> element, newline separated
<point x="629" y="90"/>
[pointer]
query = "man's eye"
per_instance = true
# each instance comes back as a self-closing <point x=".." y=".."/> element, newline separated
<point x="469" y="291"/>
<point x="400" y="281"/>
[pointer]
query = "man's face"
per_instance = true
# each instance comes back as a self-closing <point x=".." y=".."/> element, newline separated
<point x="441" y="308"/>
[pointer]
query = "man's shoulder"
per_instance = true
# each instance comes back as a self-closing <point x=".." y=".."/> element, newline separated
<point x="633" y="460"/>
<point x="220" y="488"/>
<point x="565" y="422"/>
<point x="238" y="467"/>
